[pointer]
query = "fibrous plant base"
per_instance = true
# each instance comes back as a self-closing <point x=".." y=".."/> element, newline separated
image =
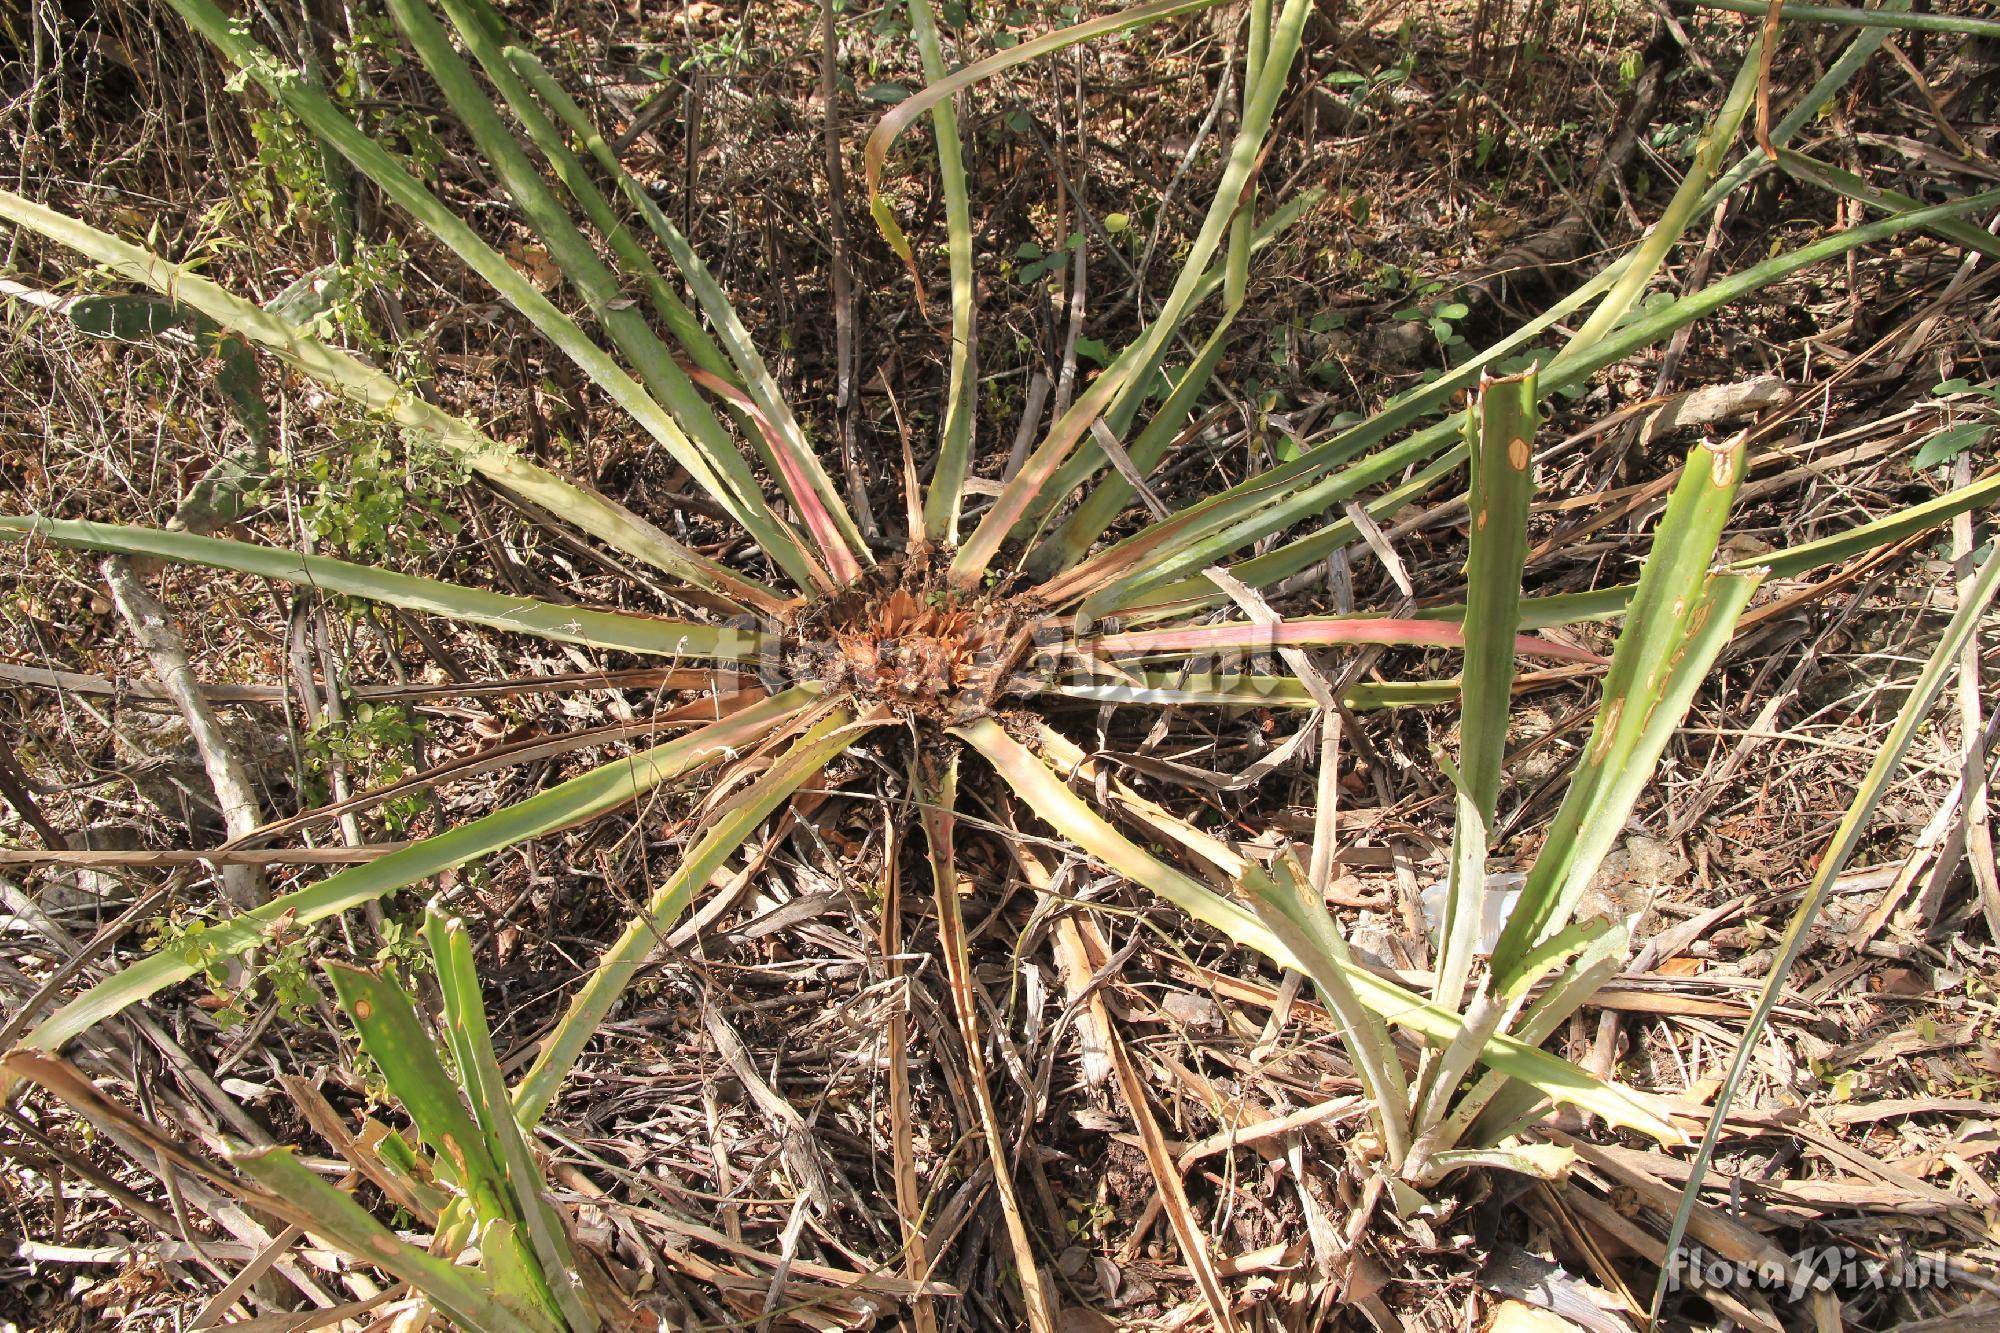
<point x="904" y="636"/>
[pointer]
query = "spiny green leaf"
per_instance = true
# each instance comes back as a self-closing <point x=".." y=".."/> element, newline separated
<point x="1681" y="616"/>
<point x="1209" y="531"/>
<point x="945" y="496"/>
<point x="375" y="391"/>
<point x="594" y="793"/>
<point x="475" y="606"/>
<point x="1051" y="799"/>
<point x="1287" y="903"/>
<point x="722" y="473"/>
<point x="1499" y="433"/>
<point x="1185" y="688"/>
<point x="395" y="1039"/>
<point x="468" y="1296"/>
<point x="483" y="30"/>
<point x="1131" y="371"/>
<point x="773" y="426"/>
<point x="464" y="1026"/>
<point x="1961" y="25"/>
<point x="619" y="963"/>
<point x="1411" y="407"/>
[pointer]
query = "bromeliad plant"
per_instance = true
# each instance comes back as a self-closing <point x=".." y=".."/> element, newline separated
<point x="1543" y="966"/>
<point x="500" y="1257"/>
<point x="990" y="619"/>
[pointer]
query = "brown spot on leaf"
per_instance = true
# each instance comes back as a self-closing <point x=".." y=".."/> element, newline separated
<point x="1722" y="465"/>
<point x="1608" y="730"/>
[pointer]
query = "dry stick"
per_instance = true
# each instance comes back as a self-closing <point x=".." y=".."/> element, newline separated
<point x="1935" y="855"/>
<point x="1276" y="1125"/>
<point x="1978" y="827"/>
<point x="1159" y="1153"/>
<point x="224" y="857"/>
<point x="843" y="281"/>
<point x="14" y="785"/>
<point x="643" y="678"/>
<point x="1853" y="212"/>
<point x="1870" y="925"/>
<point x="309" y="643"/>
<point x="1081" y="983"/>
<point x="332" y="671"/>
<point x="1078" y="291"/>
<point x="439" y="651"/>
<point x="144" y="1142"/>
<point x="243" y="885"/>
<point x="1586" y="1243"/>
<point x="909" y="1199"/>
<point x="1697" y="278"/>
<point x="1122" y="461"/>
<point x="1766" y="721"/>
<point x="180" y="1193"/>
<point x="1883" y="558"/>
<point x="1970" y="277"/>
<point x="292" y="1322"/>
<point x="725" y="1184"/>
<point x="781" y="1272"/>
<point x="1566" y="240"/>
<point x="163" y="1167"/>
<point x="249" y="1275"/>
<point x="1031" y="419"/>
<point x="52" y="1158"/>
<point x="913" y="489"/>
<point x="1938" y="117"/>
<point x="1606" y="1223"/>
<point x="1224" y="86"/>
<point x="801" y="1152"/>
<point x="965" y="1009"/>
<point x="327" y="1123"/>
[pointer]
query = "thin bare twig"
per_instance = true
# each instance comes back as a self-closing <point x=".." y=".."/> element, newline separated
<point x="242" y="883"/>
